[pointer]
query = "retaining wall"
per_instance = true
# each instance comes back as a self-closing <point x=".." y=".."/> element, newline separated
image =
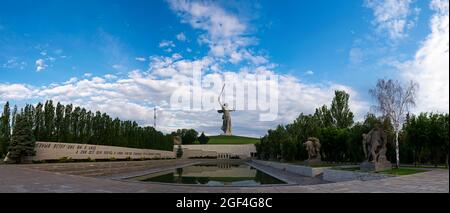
<point x="297" y="169"/>
<point x="55" y="151"/>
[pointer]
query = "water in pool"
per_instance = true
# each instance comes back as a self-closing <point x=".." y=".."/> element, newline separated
<point x="213" y="175"/>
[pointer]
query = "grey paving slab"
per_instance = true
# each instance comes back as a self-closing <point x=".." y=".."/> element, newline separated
<point x="24" y="179"/>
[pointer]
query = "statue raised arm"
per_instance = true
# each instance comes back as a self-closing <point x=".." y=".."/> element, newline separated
<point x="226" y="116"/>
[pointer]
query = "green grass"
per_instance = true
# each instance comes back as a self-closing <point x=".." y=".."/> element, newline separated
<point x="233" y="139"/>
<point x="402" y="171"/>
<point x="352" y="169"/>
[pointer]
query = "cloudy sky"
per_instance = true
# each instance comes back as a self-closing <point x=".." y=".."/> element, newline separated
<point x="121" y="57"/>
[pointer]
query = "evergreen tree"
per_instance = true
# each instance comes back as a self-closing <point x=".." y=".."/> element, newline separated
<point x="22" y="140"/>
<point x="203" y="139"/>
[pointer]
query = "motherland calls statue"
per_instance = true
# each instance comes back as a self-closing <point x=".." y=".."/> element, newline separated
<point x="313" y="148"/>
<point x="226" y="116"/>
<point x="374" y="147"/>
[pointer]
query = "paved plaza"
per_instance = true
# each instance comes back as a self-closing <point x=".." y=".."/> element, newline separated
<point x="105" y="177"/>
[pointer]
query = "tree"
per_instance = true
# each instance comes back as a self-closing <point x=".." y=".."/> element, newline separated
<point x="22" y="140"/>
<point x="188" y="136"/>
<point x="203" y="139"/>
<point x="39" y="122"/>
<point x="340" y="110"/>
<point x="393" y="102"/>
<point x="65" y="129"/>
<point x="49" y="120"/>
<point x="59" y="120"/>
<point x="5" y="129"/>
<point x="323" y="116"/>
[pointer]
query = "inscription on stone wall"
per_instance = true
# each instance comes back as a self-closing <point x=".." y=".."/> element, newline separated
<point x="54" y="151"/>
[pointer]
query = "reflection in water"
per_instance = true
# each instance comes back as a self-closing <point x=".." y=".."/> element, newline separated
<point x="213" y="175"/>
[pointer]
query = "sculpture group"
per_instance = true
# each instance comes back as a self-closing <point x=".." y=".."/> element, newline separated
<point x="313" y="148"/>
<point x="374" y="147"/>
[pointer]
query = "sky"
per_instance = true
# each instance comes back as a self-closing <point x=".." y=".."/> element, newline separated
<point x="120" y="57"/>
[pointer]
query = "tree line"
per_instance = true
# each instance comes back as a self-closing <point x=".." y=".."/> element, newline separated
<point x="190" y="136"/>
<point x="422" y="139"/>
<point x="74" y="124"/>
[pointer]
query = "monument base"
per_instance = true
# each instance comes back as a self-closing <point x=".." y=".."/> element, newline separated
<point x="313" y="162"/>
<point x="375" y="167"/>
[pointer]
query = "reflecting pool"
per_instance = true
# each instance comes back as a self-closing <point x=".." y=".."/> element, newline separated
<point x="213" y="175"/>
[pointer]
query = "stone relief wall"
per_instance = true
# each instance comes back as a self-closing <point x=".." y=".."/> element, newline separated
<point x="55" y="151"/>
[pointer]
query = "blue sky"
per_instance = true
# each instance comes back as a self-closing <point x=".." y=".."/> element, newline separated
<point x="321" y="44"/>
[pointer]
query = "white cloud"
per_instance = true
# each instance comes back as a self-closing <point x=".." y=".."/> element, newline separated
<point x="71" y="80"/>
<point x="396" y="17"/>
<point x="141" y="59"/>
<point x="181" y="37"/>
<point x="225" y="33"/>
<point x="166" y="43"/>
<point x="40" y="65"/>
<point x="356" y="55"/>
<point x="117" y="66"/>
<point x="430" y="66"/>
<point x="13" y="63"/>
<point x="58" y="51"/>
<point x="134" y="96"/>
<point x="15" y="92"/>
<point x="309" y="72"/>
<point x="110" y="76"/>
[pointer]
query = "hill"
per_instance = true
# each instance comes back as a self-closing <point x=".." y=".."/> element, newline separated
<point x="233" y="139"/>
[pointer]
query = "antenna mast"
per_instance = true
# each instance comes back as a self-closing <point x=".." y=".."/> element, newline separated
<point x="154" y="117"/>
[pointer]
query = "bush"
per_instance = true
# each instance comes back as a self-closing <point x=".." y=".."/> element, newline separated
<point x="65" y="160"/>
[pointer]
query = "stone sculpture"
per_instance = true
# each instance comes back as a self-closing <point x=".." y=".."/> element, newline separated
<point x="226" y="116"/>
<point x="374" y="147"/>
<point x="313" y="148"/>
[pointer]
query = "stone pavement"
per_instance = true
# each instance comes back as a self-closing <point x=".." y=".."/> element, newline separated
<point x="23" y="179"/>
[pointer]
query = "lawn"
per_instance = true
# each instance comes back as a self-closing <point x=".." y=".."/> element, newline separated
<point x="323" y="164"/>
<point x="222" y="139"/>
<point x="402" y="171"/>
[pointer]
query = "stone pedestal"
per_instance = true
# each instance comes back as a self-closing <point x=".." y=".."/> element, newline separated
<point x="375" y="167"/>
<point x="312" y="162"/>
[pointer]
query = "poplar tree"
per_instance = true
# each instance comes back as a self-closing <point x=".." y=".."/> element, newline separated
<point x="39" y="122"/>
<point x="49" y="120"/>
<point x="59" y="119"/>
<point x="340" y="110"/>
<point x="5" y="129"/>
